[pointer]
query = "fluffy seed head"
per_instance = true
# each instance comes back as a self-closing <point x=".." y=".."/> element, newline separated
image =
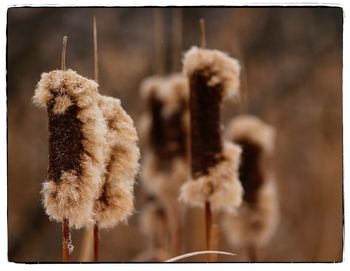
<point x="223" y="70"/>
<point x="220" y="186"/>
<point x="121" y="156"/>
<point x="251" y="128"/>
<point x="164" y="164"/>
<point x="76" y="140"/>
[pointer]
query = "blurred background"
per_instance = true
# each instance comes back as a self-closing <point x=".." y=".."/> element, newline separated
<point x="291" y="73"/>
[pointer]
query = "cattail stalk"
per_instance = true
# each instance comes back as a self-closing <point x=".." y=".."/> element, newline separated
<point x="165" y="160"/>
<point x="203" y="40"/>
<point x="244" y="105"/>
<point x="159" y="40"/>
<point x="96" y="228"/>
<point x="65" y="240"/>
<point x="114" y="201"/>
<point x="214" y="242"/>
<point x="176" y="37"/>
<point x="208" y="212"/>
<point x="64" y="47"/>
<point x="96" y="242"/>
<point x="176" y="229"/>
<point x="76" y="129"/>
<point x="257" y="218"/>
<point x="87" y="246"/>
<point x="95" y="50"/>
<point x="213" y="76"/>
<point x="65" y="223"/>
<point x="208" y="224"/>
<point x="252" y="253"/>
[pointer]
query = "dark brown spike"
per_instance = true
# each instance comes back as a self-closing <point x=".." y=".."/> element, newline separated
<point x="250" y="171"/>
<point x="206" y="145"/>
<point x="65" y="141"/>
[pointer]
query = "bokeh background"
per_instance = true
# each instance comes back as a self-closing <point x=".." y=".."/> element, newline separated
<point x="292" y="76"/>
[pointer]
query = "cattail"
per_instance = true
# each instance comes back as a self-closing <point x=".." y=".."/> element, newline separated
<point x="254" y="224"/>
<point x="213" y="76"/>
<point x="121" y="156"/>
<point x="164" y="167"/>
<point x="165" y="160"/>
<point x="76" y="140"/>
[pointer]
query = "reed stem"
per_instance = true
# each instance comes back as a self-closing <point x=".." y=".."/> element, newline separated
<point x="65" y="222"/>
<point x="86" y="246"/>
<point x="203" y="41"/>
<point x="174" y="226"/>
<point x="95" y="50"/>
<point x="96" y="228"/>
<point x="65" y="241"/>
<point x="96" y="243"/>
<point x="63" y="58"/>
<point x="176" y="36"/>
<point x="252" y="253"/>
<point x="208" y="225"/>
<point x="208" y="211"/>
<point x="214" y="242"/>
<point x="159" y="40"/>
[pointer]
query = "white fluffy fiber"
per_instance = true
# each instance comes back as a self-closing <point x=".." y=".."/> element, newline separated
<point x="222" y="68"/>
<point x="254" y="225"/>
<point x="121" y="158"/>
<point x="169" y="90"/>
<point x="248" y="127"/>
<point x="220" y="186"/>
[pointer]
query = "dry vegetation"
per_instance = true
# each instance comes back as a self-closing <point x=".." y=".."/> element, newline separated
<point x="291" y="60"/>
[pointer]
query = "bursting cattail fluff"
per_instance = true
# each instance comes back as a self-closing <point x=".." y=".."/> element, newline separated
<point x="76" y="139"/>
<point x="213" y="76"/>
<point x="121" y="156"/>
<point x="257" y="218"/>
<point x="165" y="160"/>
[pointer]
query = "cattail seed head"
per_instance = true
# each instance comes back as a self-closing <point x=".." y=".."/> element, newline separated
<point x="248" y="127"/>
<point x="222" y="69"/>
<point x="121" y="156"/>
<point x="213" y="76"/>
<point x="165" y="167"/>
<point x="257" y="218"/>
<point x="76" y="140"/>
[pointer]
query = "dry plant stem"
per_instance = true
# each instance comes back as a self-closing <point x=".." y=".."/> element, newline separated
<point x="177" y="235"/>
<point x="191" y="254"/>
<point x="96" y="228"/>
<point x="214" y="242"/>
<point x="65" y="242"/>
<point x="208" y="225"/>
<point x="244" y="104"/>
<point x="203" y="41"/>
<point x="159" y="40"/>
<point x="208" y="211"/>
<point x="65" y="223"/>
<point x="177" y="36"/>
<point x="95" y="50"/>
<point x="86" y="247"/>
<point x="96" y="243"/>
<point x="63" y="59"/>
<point x="173" y="216"/>
<point x="252" y="253"/>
